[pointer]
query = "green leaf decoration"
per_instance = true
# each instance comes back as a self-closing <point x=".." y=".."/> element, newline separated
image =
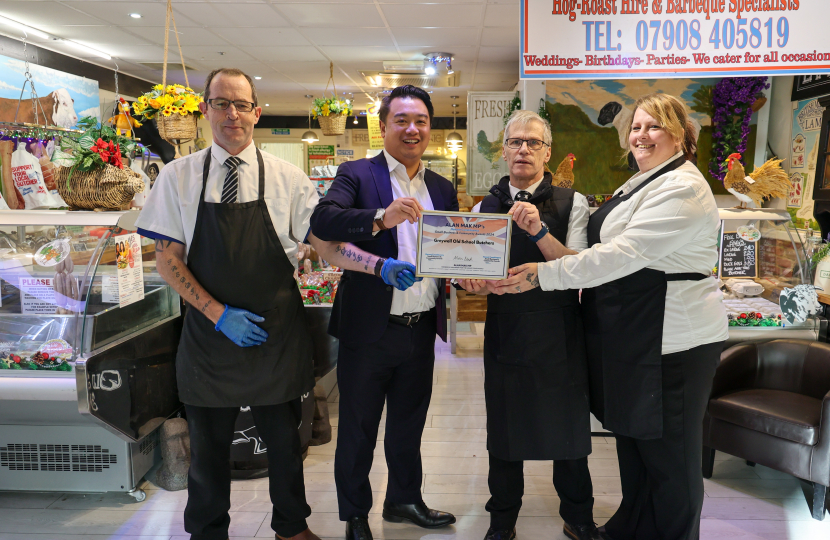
<point x="86" y="141"/>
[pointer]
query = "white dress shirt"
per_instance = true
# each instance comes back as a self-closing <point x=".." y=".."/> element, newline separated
<point x="577" y="238"/>
<point x="174" y="200"/>
<point x="670" y="225"/>
<point x="421" y="296"/>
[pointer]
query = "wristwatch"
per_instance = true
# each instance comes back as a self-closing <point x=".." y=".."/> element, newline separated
<point x="541" y="234"/>
<point x="379" y="219"/>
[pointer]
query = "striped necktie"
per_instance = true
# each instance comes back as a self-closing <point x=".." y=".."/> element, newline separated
<point x="230" y="189"/>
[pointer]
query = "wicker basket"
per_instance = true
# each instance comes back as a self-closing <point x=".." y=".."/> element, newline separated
<point x="333" y="124"/>
<point x="178" y="128"/>
<point x="109" y="188"/>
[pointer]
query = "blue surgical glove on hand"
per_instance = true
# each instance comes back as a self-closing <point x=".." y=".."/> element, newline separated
<point x="238" y="325"/>
<point x="399" y="274"/>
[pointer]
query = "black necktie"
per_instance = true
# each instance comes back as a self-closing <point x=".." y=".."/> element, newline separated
<point x="231" y="187"/>
<point x="522" y="196"/>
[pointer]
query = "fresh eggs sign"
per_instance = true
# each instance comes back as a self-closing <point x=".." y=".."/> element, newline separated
<point x="669" y="38"/>
<point x="485" y="135"/>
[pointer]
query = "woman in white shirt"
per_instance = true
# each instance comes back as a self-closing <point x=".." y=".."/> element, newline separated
<point x="655" y="321"/>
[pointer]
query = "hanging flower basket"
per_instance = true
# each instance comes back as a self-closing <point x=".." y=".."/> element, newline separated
<point x="331" y="112"/>
<point x="333" y="124"/>
<point x="177" y="127"/>
<point x="108" y="188"/>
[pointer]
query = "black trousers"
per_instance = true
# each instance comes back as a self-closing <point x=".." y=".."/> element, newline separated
<point x="397" y="370"/>
<point x="209" y="479"/>
<point x="662" y="481"/>
<point x="571" y="479"/>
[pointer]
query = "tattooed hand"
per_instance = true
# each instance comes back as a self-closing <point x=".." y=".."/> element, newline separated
<point x="522" y="278"/>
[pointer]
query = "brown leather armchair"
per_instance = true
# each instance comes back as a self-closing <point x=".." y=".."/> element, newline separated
<point x="770" y="404"/>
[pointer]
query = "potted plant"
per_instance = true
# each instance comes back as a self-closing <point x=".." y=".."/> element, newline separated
<point x="332" y="112"/>
<point x="92" y="173"/>
<point x="175" y="109"/>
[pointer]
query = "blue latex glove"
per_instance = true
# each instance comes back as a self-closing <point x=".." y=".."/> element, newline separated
<point x="238" y="325"/>
<point x="399" y="274"/>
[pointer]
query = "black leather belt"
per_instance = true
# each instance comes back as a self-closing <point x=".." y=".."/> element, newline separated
<point x="407" y="319"/>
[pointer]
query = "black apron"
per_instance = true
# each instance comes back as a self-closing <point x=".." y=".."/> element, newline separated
<point x="236" y="255"/>
<point x="535" y="366"/>
<point x="624" y="337"/>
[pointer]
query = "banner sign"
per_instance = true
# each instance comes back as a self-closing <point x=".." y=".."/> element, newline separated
<point x="613" y="39"/>
<point x="375" y="138"/>
<point x="485" y="133"/>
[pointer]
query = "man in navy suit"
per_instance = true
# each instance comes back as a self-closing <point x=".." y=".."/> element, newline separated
<point x="387" y="336"/>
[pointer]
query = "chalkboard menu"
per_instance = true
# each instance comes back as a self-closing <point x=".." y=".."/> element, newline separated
<point x="737" y="257"/>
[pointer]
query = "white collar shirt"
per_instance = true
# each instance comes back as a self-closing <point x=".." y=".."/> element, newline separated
<point x="173" y="203"/>
<point x="422" y="295"/>
<point x="671" y="225"/>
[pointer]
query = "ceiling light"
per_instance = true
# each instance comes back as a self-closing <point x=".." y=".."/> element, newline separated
<point x="135" y="15"/>
<point x="434" y="60"/>
<point x="267" y="104"/>
<point x="430" y="69"/>
<point x="257" y="78"/>
<point x="88" y="49"/>
<point x="24" y="28"/>
<point x="355" y="119"/>
<point x="310" y="137"/>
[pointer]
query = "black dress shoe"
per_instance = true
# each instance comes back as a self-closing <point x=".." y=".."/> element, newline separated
<point x="493" y="534"/>
<point x="357" y="528"/>
<point x="583" y="532"/>
<point x="417" y="513"/>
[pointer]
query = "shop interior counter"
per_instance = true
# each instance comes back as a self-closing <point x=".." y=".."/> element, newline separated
<point x="761" y="255"/>
<point x="88" y="336"/>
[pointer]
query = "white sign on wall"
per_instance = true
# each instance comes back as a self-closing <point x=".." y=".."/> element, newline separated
<point x="613" y="39"/>
<point x="485" y="133"/>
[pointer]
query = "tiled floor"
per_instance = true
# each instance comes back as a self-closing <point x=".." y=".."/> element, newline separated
<point x="742" y="502"/>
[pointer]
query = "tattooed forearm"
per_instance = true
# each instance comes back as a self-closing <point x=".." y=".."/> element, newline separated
<point x="209" y="302"/>
<point x="160" y="245"/>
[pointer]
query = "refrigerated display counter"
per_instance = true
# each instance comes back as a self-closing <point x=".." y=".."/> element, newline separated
<point x="88" y="337"/>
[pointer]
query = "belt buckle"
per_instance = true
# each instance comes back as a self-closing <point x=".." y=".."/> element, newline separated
<point x="413" y="318"/>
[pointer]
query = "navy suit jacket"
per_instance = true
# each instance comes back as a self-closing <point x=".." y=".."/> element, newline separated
<point x="346" y="214"/>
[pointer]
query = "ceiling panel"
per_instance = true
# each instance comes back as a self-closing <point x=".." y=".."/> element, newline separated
<point x="209" y="54"/>
<point x="346" y="54"/>
<point x="424" y="15"/>
<point x="500" y="37"/>
<point x="189" y="36"/>
<point x="372" y="37"/>
<point x="237" y="14"/>
<point x="502" y="15"/>
<point x="283" y="37"/>
<point x="316" y="15"/>
<point x="118" y="13"/>
<point x="499" y="54"/>
<point x="40" y="14"/>
<point x="278" y="54"/>
<point x="436" y="37"/>
<point x="461" y="54"/>
<point x="498" y="67"/>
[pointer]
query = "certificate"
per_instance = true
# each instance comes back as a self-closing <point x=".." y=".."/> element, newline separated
<point x="463" y="245"/>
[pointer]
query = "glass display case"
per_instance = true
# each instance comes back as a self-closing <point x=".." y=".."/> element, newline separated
<point x="760" y="255"/>
<point x="88" y="336"/>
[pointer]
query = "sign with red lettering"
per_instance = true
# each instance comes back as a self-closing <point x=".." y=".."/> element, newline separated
<point x="612" y="39"/>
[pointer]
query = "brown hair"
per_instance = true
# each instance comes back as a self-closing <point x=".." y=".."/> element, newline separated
<point x="230" y="72"/>
<point x="671" y="114"/>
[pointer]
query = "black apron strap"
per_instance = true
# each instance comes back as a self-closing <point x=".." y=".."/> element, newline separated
<point x="686" y="276"/>
<point x="261" y="164"/>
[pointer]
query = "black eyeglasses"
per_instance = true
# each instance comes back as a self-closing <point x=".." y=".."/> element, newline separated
<point x="222" y="104"/>
<point x="532" y="144"/>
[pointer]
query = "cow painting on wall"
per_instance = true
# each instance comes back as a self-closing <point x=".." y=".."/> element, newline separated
<point x="62" y="98"/>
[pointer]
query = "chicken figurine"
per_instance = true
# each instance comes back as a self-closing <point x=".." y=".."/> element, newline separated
<point x="564" y="175"/>
<point x="767" y="181"/>
<point x="123" y="120"/>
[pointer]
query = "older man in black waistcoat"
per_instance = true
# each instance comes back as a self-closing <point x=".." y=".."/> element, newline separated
<point x="536" y="373"/>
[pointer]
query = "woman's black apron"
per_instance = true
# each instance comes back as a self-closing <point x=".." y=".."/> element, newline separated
<point x="624" y="338"/>
<point x="237" y="256"/>
<point x="535" y="366"/>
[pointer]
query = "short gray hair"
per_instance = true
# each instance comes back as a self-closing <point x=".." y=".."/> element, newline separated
<point x="522" y="118"/>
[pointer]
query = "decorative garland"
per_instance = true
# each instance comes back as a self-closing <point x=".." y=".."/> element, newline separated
<point x="732" y="98"/>
<point x="515" y="105"/>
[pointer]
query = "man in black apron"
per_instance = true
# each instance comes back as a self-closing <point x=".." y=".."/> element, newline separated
<point x="650" y="382"/>
<point x="535" y="367"/>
